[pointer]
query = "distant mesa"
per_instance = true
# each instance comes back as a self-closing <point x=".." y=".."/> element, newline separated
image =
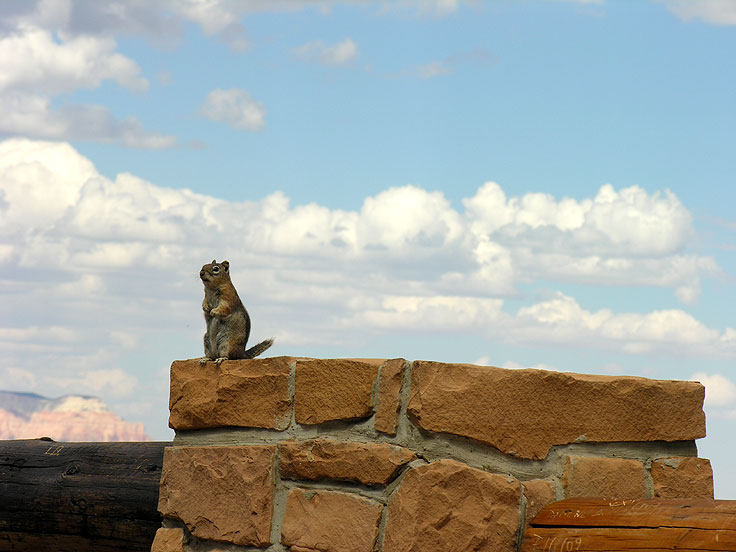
<point x="68" y="418"/>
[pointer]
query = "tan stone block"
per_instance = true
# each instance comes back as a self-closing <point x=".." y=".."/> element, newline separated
<point x="525" y="412"/>
<point x="333" y="389"/>
<point x="241" y="393"/>
<point x="168" y="540"/>
<point x="220" y="493"/>
<point x="587" y="477"/>
<point x="389" y="387"/>
<point x="330" y="521"/>
<point x="447" y="506"/>
<point x="367" y="463"/>
<point x="682" y="477"/>
<point x="538" y="493"/>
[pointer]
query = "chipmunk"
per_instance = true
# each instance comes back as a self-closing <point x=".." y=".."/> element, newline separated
<point x="228" y="323"/>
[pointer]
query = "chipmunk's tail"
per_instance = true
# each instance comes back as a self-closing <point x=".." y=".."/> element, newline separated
<point x="256" y="350"/>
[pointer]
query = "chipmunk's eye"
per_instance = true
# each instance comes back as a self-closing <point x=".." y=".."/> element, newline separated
<point x="215" y="269"/>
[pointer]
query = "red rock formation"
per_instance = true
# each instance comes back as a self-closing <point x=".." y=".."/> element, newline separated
<point x="70" y="418"/>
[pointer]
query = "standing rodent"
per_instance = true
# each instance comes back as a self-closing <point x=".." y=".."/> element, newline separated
<point x="228" y="323"/>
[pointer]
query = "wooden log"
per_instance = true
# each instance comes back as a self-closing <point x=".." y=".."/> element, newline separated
<point x="581" y="525"/>
<point x="78" y="497"/>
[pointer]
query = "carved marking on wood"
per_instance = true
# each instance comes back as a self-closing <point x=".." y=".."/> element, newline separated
<point x="54" y="451"/>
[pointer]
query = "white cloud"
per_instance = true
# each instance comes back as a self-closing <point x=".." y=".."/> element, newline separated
<point x="17" y="378"/>
<point x="716" y="12"/>
<point x="114" y="381"/>
<point x="31" y="115"/>
<point x="161" y="21"/>
<point x="719" y="390"/>
<point x="341" y="53"/>
<point x="38" y="65"/>
<point x="446" y="66"/>
<point x="32" y="60"/>
<point x="115" y="263"/>
<point x="235" y="107"/>
<point x="628" y="221"/>
<point x="720" y="395"/>
<point x="513" y="365"/>
<point x="433" y="69"/>
<point x="624" y="237"/>
<point x="561" y="320"/>
<point x="53" y="334"/>
<point x="433" y="8"/>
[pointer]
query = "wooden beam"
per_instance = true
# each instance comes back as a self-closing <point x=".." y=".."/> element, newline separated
<point x="596" y="525"/>
<point x="78" y="497"/>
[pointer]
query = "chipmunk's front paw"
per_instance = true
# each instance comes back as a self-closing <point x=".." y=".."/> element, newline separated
<point x="204" y="360"/>
<point x="218" y="361"/>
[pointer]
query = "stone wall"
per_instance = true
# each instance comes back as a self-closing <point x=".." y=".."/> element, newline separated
<point x="311" y="455"/>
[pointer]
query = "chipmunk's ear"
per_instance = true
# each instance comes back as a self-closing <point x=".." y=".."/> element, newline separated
<point x="214" y="261"/>
<point x="225" y="265"/>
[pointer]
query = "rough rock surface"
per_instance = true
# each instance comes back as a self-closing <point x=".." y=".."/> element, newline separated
<point x="220" y="493"/>
<point x="67" y="418"/>
<point x="168" y="540"/>
<point x="333" y="389"/>
<point x="387" y="411"/>
<point x="603" y="478"/>
<point x="71" y="426"/>
<point x="447" y="506"/>
<point x="330" y="521"/>
<point x="367" y="463"/>
<point x="525" y="412"/>
<point x="538" y="493"/>
<point x="243" y="393"/>
<point x="682" y="477"/>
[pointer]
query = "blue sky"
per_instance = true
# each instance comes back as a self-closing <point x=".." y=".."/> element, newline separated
<point x="544" y="184"/>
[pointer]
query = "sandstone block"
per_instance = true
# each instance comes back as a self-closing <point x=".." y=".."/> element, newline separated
<point x="682" y="477"/>
<point x="220" y="493"/>
<point x="603" y="478"/>
<point x="328" y="521"/>
<point x="447" y="506"/>
<point x="389" y="387"/>
<point x="168" y="540"/>
<point x="242" y="393"/>
<point x="333" y="389"/>
<point x="525" y="412"/>
<point x="538" y="493"/>
<point x="367" y="463"/>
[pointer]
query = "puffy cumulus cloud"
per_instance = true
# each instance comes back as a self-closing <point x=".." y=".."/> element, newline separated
<point x="719" y="390"/>
<point x="624" y="237"/>
<point x="337" y="54"/>
<point x="234" y="107"/>
<point x="116" y="381"/>
<point x="93" y="266"/>
<point x="561" y="320"/>
<point x="715" y="12"/>
<point x="42" y="59"/>
<point x="720" y="394"/>
<point x="50" y="337"/>
<point x="32" y="59"/>
<point x="614" y="222"/>
<point x="112" y="382"/>
<point x="432" y="314"/>
<point x="407" y="218"/>
<point x="32" y="115"/>
<point x="161" y="20"/>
